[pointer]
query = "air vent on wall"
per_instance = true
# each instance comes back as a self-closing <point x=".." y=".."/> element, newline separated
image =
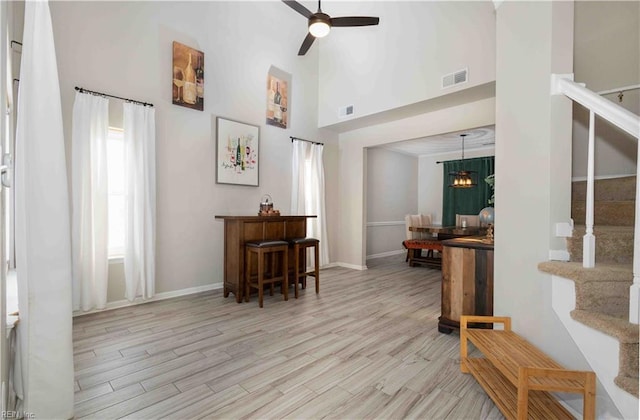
<point x="345" y="111"/>
<point x="454" y="78"/>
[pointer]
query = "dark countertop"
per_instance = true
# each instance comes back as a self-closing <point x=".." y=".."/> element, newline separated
<point x="257" y="218"/>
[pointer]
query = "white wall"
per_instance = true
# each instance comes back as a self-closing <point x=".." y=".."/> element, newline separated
<point x="538" y="129"/>
<point x="431" y="177"/>
<point x="402" y="60"/>
<point x="125" y="49"/>
<point x="607" y="53"/>
<point x="391" y="193"/>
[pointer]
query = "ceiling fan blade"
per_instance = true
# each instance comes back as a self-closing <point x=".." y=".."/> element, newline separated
<point x="354" y="21"/>
<point x="298" y="8"/>
<point x="306" y="44"/>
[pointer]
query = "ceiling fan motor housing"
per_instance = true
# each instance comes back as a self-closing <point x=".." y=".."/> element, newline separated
<point x="322" y="22"/>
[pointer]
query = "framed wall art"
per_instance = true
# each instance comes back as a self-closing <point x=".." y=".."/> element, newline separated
<point x="238" y="152"/>
<point x="278" y="97"/>
<point x="188" y="77"/>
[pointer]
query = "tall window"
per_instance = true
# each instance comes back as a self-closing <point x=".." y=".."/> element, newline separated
<point x="117" y="197"/>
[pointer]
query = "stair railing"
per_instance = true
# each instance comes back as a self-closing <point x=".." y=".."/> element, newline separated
<point x="630" y="123"/>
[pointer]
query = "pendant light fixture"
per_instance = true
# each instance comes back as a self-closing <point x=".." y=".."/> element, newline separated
<point x="462" y="178"/>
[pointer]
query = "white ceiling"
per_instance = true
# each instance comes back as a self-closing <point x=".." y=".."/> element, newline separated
<point x="477" y="138"/>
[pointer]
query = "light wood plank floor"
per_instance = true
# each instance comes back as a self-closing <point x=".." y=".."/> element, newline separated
<point x="366" y="347"/>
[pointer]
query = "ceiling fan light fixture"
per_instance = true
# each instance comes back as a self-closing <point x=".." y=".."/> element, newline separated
<point x="319" y="25"/>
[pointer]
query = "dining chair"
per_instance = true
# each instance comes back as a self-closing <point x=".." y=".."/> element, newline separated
<point x="415" y="220"/>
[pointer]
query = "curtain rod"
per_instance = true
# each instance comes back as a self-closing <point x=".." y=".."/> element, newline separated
<point x="82" y="90"/>
<point x="308" y="141"/>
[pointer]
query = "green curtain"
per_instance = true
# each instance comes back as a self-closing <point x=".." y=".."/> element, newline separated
<point x="466" y="200"/>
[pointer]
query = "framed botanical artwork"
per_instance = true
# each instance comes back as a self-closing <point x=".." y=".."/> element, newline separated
<point x="238" y="150"/>
<point x="278" y="94"/>
<point x="188" y="77"/>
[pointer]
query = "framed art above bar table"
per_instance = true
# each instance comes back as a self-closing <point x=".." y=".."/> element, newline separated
<point x="241" y="229"/>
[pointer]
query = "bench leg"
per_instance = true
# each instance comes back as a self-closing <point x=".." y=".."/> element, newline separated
<point x="589" y="403"/>
<point x="523" y="393"/>
<point x="463" y="345"/>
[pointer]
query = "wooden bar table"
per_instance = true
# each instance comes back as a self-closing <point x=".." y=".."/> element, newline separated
<point x="241" y="229"/>
<point x="448" y="232"/>
<point x="467" y="281"/>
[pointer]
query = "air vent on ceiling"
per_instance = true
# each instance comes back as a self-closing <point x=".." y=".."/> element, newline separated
<point x="455" y="78"/>
<point x="345" y="111"/>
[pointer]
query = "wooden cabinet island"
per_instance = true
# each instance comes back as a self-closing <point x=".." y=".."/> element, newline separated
<point x="241" y="229"/>
<point x="467" y="281"/>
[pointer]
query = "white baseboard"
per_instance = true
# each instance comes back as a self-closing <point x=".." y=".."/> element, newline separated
<point x="386" y="254"/>
<point x="351" y="266"/>
<point x="159" y="296"/>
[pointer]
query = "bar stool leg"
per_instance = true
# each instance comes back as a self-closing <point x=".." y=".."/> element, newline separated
<point x="247" y="275"/>
<point x="316" y="266"/>
<point x="285" y="273"/>
<point x="272" y="259"/>
<point x="295" y="271"/>
<point x="303" y="251"/>
<point x="260" y="277"/>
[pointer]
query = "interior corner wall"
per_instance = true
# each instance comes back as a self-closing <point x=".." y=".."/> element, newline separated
<point x="391" y="193"/>
<point x="352" y="235"/>
<point x="125" y="49"/>
<point x="431" y="177"/>
<point x="607" y="56"/>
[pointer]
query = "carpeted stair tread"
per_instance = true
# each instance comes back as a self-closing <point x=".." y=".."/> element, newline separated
<point x="606" y="213"/>
<point x="621" y="329"/>
<point x="614" y="244"/>
<point x="603" y="289"/>
<point x="613" y="189"/>
<point x="574" y="270"/>
<point x="628" y="383"/>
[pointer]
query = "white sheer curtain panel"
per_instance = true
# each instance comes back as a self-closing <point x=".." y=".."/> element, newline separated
<point x="89" y="194"/>
<point x="140" y="219"/>
<point x="307" y="192"/>
<point x="44" y="363"/>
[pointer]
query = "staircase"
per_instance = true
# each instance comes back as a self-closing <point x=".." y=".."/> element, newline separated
<point x="601" y="294"/>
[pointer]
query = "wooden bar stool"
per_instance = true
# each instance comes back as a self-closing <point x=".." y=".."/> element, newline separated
<point x="300" y="246"/>
<point x="264" y="250"/>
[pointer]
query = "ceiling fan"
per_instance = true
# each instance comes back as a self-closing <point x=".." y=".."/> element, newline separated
<point x="321" y="23"/>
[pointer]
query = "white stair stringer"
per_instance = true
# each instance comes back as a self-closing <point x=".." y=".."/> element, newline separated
<point x="600" y="350"/>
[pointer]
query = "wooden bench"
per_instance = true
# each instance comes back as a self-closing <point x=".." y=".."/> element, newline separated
<point x="519" y="377"/>
<point x="415" y="247"/>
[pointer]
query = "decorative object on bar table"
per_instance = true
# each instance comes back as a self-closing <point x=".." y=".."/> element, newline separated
<point x="188" y="77"/>
<point x="278" y="94"/>
<point x="486" y="216"/>
<point x="237" y="148"/>
<point x="266" y="207"/>
<point x="489" y="238"/>
<point x="462" y="178"/>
